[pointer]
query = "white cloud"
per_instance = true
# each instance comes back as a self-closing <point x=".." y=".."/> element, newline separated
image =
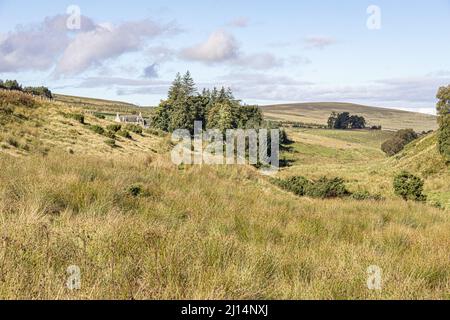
<point x="107" y="41"/>
<point x="50" y="44"/>
<point x="319" y="42"/>
<point x="220" y="46"/>
<point x="36" y="47"/>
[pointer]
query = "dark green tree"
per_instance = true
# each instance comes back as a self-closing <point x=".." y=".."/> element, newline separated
<point x="443" y="110"/>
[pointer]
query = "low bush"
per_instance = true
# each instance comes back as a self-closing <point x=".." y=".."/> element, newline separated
<point x="97" y="129"/>
<point x="327" y="188"/>
<point x="124" y="134"/>
<point x="134" y="128"/>
<point x="296" y="185"/>
<point x="365" y="195"/>
<point x="323" y="188"/>
<point x="156" y="132"/>
<point x="409" y="187"/>
<point x="114" y="127"/>
<point x="111" y="143"/>
<point x="77" y="117"/>
<point x="99" y="116"/>
<point x="110" y="135"/>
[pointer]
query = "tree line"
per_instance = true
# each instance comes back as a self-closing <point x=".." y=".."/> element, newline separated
<point x="345" y="120"/>
<point x="443" y="111"/>
<point x="216" y="108"/>
<point x="36" y="91"/>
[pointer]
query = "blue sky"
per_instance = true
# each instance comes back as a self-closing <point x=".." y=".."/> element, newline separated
<point x="267" y="51"/>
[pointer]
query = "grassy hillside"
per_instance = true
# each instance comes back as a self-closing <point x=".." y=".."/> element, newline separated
<point x="30" y="126"/>
<point x="140" y="227"/>
<point x="356" y="156"/>
<point x="103" y="106"/>
<point x="318" y="113"/>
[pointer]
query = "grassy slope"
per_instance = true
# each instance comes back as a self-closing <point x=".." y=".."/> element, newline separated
<point x="318" y="113"/>
<point x="205" y="232"/>
<point x="357" y="157"/>
<point x="104" y="106"/>
<point x="40" y="126"/>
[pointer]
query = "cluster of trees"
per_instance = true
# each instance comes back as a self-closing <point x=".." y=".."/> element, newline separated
<point x="443" y="110"/>
<point x="346" y="121"/>
<point x="398" y="142"/>
<point x="217" y="109"/>
<point x="36" y="91"/>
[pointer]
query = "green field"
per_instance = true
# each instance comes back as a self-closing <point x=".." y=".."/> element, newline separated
<point x="318" y="113"/>
<point x="140" y="227"/>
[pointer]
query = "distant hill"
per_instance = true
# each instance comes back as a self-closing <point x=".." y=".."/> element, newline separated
<point x="101" y="105"/>
<point x="318" y="113"/>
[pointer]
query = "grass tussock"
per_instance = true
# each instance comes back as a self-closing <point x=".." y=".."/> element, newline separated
<point x="167" y="233"/>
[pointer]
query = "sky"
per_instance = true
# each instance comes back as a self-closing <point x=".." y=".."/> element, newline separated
<point x="381" y="53"/>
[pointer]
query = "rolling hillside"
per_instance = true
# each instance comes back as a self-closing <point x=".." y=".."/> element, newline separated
<point x="318" y="113"/>
<point x="140" y="227"/>
<point x="101" y="105"/>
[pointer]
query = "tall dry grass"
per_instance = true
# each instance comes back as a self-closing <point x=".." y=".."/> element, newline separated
<point x="204" y="233"/>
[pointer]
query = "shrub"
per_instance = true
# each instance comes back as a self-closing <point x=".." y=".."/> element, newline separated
<point x="78" y="117"/>
<point x="444" y="137"/>
<point x="296" y="185"/>
<point x="124" y="134"/>
<point x="99" y="116"/>
<point x="156" y="132"/>
<point x="365" y="195"/>
<point x="110" y="134"/>
<point x="114" y="127"/>
<point x="327" y="188"/>
<point x="443" y="110"/>
<point x="97" y="129"/>
<point x="409" y="186"/>
<point x="134" y="128"/>
<point x="322" y="188"/>
<point x="111" y="143"/>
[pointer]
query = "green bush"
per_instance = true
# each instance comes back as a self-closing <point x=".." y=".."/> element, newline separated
<point x="296" y="185"/>
<point x="365" y="195"/>
<point x="110" y="135"/>
<point x="322" y="188"/>
<point x="409" y="186"/>
<point x="134" y="128"/>
<point x="111" y="143"/>
<point x="97" y="129"/>
<point x="444" y="137"/>
<point x="78" y="117"/>
<point x="124" y="134"/>
<point x="99" y="116"/>
<point x="327" y="188"/>
<point x="156" y="132"/>
<point x="135" y="190"/>
<point x="114" y="127"/>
